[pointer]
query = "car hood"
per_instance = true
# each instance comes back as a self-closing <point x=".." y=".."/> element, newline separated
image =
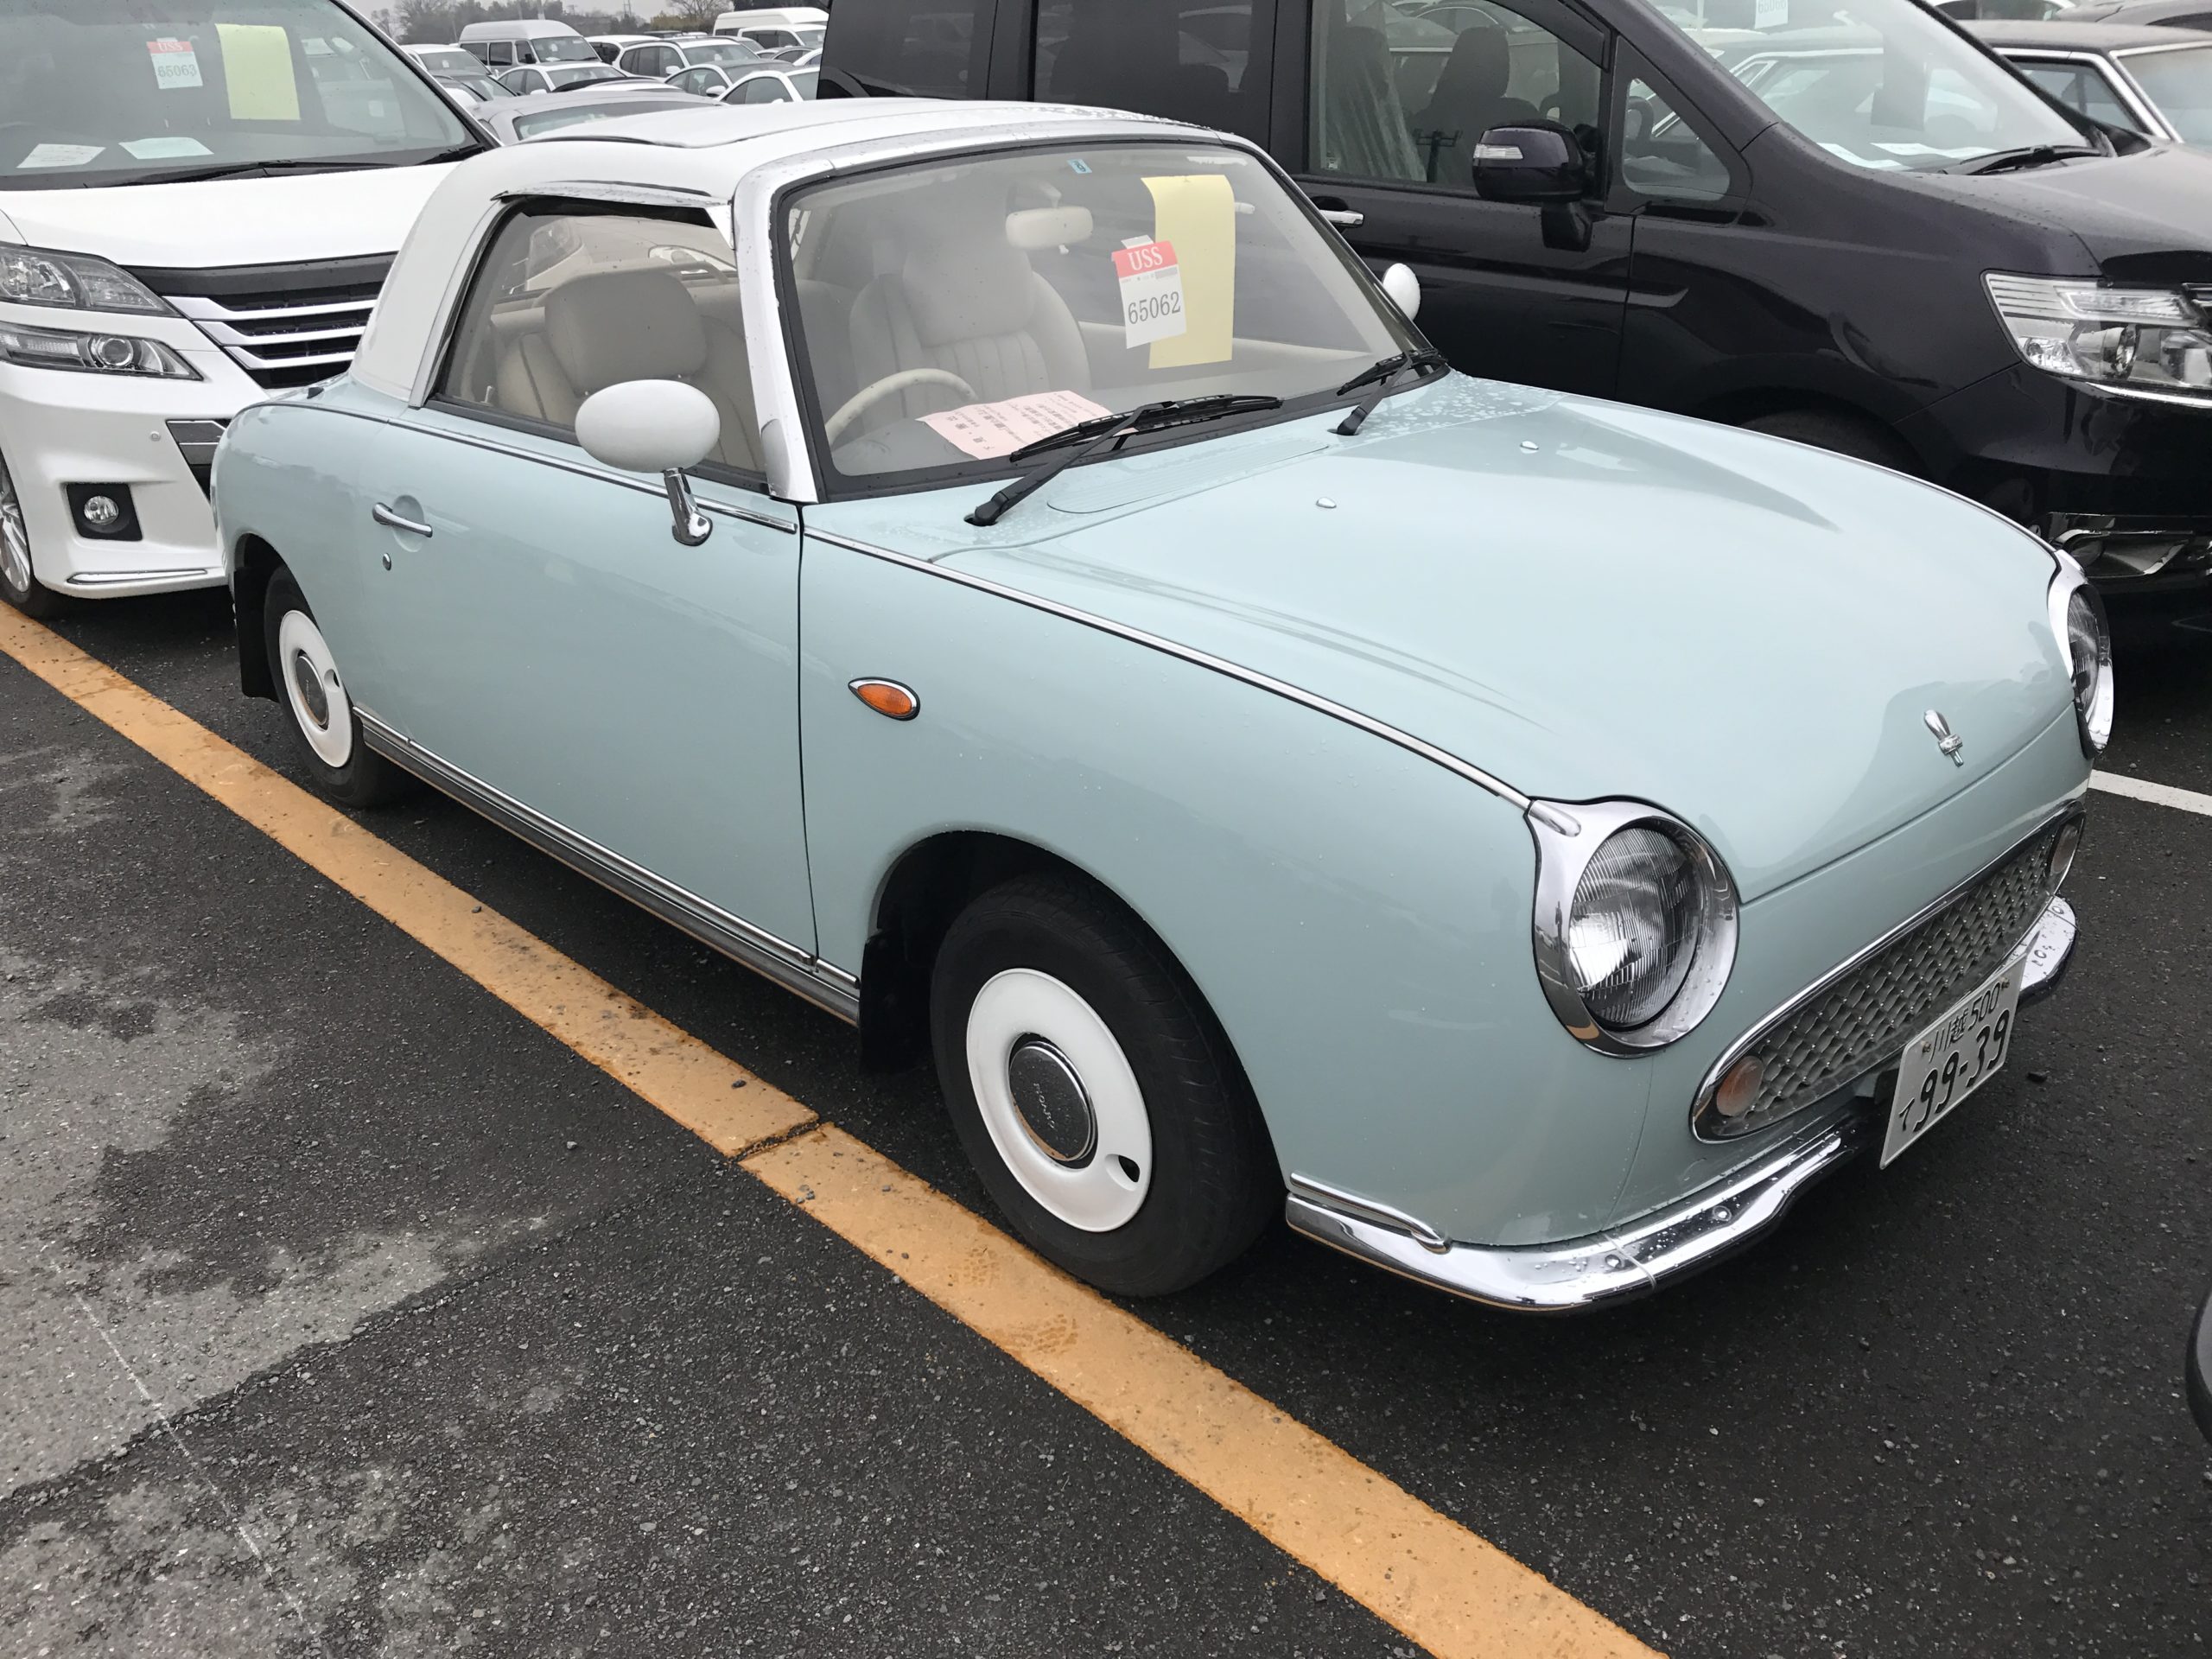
<point x="1584" y="599"/>
<point x="252" y="221"/>
<point x="2144" y="218"/>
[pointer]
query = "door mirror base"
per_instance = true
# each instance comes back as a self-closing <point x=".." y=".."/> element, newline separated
<point x="1566" y="227"/>
<point x="692" y="527"/>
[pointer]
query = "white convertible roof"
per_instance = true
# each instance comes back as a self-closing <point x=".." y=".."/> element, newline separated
<point x="669" y="155"/>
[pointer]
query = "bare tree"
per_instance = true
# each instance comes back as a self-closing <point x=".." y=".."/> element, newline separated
<point x="693" y="14"/>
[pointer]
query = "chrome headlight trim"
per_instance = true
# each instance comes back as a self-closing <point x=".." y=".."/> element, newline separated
<point x="2093" y="690"/>
<point x="1568" y="836"/>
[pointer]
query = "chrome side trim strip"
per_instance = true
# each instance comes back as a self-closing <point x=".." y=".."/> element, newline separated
<point x="1388" y="733"/>
<point x="1759" y="1028"/>
<point x="1646" y="1253"/>
<point x="117" y="578"/>
<point x="582" y="469"/>
<point x="790" y="966"/>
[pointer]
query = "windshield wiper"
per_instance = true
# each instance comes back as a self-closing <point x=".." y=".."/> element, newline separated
<point x="1376" y="378"/>
<point x="2012" y="160"/>
<point x="272" y="168"/>
<point x="1071" y="443"/>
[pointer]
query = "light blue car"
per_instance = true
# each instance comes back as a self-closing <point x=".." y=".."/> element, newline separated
<point x="1010" y="576"/>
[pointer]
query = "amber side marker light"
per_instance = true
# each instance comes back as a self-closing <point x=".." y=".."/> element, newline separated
<point x="1740" y="1087"/>
<point x="887" y="697"/>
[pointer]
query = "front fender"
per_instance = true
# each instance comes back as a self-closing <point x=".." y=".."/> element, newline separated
<point x="1356" y="916"/>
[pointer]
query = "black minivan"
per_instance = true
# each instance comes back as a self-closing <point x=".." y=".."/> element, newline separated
<point x="1841" y="221"/>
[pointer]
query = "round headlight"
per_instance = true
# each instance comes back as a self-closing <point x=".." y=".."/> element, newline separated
<point x="1631" y="932"/>
<point x="2088" y="651"/>
<point x="1634" y="923"/>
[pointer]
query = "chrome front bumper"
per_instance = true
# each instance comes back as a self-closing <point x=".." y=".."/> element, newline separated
<point x="1639" y="1256"/>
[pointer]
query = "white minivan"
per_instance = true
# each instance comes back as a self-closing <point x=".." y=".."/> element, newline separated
<point x="198" y="200"/>
<point x="504" y="44"/>
<point x="776" y="29"/>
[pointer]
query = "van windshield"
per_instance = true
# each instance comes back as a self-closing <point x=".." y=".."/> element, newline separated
<point x="1880" y="84"/>
<point x="129" y="91"/>
<point x="950" y="311"/>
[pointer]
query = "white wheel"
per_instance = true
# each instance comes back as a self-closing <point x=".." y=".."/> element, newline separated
<point x="313" y="690"/>
<point x="1059" y="1099"/>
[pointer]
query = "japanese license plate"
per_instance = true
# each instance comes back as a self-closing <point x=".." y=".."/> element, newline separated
<point x="1953" y="1058"/>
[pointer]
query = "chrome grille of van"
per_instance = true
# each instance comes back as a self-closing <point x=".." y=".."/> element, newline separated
<point x="1863" y="1018"/>
<point x="284" y="325"/>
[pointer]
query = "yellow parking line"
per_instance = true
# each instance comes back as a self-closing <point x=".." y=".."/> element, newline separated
<point x="1431" y="1578"/>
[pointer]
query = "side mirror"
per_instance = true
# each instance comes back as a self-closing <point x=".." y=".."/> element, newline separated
<point x="1534" y="162"/>
<point x="1404" y="289"/>
<point x="655" y="426"/>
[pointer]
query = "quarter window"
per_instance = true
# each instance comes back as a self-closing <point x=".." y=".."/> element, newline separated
<point x="1405" y="95"/>
<point x="1662" y="153"/>
<point x="2083" y="90"/>
<point x="571" y="299"/>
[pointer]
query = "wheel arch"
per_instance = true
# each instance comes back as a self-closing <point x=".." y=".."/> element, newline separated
<point x="253" y="568"/>
<point x="926" y="886"/>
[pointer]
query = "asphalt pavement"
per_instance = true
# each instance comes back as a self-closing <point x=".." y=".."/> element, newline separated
<point x="308" y="1240"/>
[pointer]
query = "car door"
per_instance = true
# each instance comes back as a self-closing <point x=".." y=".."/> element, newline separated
<point x="1397" y="102"/>
<point x="547" y="640"/>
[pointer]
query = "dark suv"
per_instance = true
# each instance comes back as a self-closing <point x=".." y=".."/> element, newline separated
<point x="1853" y="226"/>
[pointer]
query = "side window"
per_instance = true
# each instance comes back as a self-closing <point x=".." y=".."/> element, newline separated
<point x="2081" y="89"/>
<point x="570" y="299"/>
<point x="1194" y="61"/>
<point x="1404" y="95"/>
<point x="666" y="60"/>
<point x="1662" y="154"/>
<point x="498" y="53"/>
<point x="694" y="80"/>
<point x="923" y="49"/>
<point x="761" y="89"/>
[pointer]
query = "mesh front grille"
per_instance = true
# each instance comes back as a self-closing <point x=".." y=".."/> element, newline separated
<point x="1864" y="1018"/>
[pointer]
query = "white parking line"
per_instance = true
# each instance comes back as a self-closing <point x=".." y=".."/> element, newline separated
<point x="2137" y="789"/>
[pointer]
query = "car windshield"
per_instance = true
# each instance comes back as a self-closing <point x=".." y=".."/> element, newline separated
<point x="2179" y="84"/>
<point x="1878" y="83"/>
<point x="722" y="54"/>
<point x="583" y="74"/>
<point x="119" y="91"/>
<point x="563" y="48"/>
<point x="445" y="59"/>
<point x="949" y="312"/>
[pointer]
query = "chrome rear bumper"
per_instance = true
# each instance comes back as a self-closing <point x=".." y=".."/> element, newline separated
<point x="1640" y="1256"/>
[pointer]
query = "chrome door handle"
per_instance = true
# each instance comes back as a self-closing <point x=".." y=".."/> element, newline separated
<point x="1349" y="219"/>
<point x="391" y="520"/>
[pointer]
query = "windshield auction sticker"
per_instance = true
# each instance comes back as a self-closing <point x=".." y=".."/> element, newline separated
<point x="176" y="66"/>
<point x="1196" y="215"/>
<point x="987" y="431"/>
<point x="1152" y="292"/>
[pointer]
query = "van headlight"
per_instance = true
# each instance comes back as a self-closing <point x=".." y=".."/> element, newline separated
<point x="1635" y="928"/>
<point x="2077" y="620"/>
<point x="55" y="349"/>
<point x="73" y="281"/>
<point x="2147" y="342"/>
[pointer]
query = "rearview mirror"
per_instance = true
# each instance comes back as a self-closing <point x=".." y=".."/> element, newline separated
<point x="1532" y="161"/>
<point x="655" y="426"/>
<point x="1404" y="289"/>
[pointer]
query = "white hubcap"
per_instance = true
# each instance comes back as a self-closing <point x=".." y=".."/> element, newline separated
<point x="1087" y="1155"/>
<point x="312" y="688"/>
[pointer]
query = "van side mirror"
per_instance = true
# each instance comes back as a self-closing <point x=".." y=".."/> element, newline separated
<point x="655" y="426"/>
<point x="1536" y="162"/>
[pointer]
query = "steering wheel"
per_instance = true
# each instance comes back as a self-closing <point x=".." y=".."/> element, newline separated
<point x="859" y="403"/>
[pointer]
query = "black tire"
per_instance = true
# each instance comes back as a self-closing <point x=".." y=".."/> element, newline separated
<point x="18" y="585"/>
<point x="1846" y="434"/>
<point x="1213" y="1182"/>
<point x="344" y="769"/>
